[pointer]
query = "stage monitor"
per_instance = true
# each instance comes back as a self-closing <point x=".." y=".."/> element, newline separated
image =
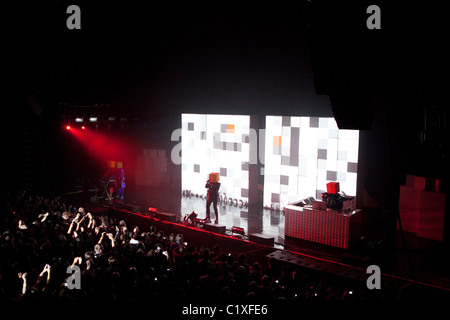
<point x="303" y="154"/>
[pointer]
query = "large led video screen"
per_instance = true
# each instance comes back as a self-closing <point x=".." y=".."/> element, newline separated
<point x="303" y="154"/>
<point x="216" y="143"/>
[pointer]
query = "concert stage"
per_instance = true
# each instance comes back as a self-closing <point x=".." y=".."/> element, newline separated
<point x="264" y="238"/>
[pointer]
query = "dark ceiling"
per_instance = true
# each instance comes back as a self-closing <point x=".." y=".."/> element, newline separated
<point x="149" y="56"/>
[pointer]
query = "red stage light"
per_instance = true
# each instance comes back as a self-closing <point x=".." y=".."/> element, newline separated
<point x="153" y="210"/>
<point x="67" y="127"/>
<point x="83" y="127"/>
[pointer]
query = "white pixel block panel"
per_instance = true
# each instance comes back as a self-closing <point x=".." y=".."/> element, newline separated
<point x="216" y="143"/>
<point x="303" y="154"/>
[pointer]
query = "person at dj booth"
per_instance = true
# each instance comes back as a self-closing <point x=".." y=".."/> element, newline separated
<point x="213" y="197"/>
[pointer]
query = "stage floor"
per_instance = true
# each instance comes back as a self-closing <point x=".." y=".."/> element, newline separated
<point x="168" y="200"/>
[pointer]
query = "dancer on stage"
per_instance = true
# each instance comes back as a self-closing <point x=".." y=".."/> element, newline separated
<point x="120" y="181"/>
<point x="213" y="186"/>
<point x="110" y="179"/>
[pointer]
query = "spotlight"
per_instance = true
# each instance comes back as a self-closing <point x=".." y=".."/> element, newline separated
<point x="83" y="127"/>
<point x="67" y="127"/>
<point x="78" y="119"/>
<point x="93" y="119"/>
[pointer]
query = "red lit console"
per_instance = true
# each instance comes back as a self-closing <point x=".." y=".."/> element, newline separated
<point x="332" y="228"/>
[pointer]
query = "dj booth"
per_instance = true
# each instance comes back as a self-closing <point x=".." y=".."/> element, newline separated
<point x="335" y="228"/>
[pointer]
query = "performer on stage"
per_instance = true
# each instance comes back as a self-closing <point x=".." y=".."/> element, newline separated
<point x="110" y="176"/>
<point x="213" y="187"/>
<point x="120" y="181"/>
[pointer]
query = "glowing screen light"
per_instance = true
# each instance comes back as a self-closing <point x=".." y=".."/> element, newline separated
<point x="303" y="154"/>
<point x="216" y="143"/>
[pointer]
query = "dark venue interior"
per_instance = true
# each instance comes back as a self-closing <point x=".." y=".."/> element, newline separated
<point x="115" y="93"/>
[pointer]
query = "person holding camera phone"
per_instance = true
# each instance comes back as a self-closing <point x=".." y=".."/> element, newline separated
<point x="213" y="197"/>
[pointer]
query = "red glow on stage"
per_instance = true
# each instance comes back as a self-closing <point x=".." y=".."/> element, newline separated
<point x="103" y="146"/>
<point x="68" y="127"/>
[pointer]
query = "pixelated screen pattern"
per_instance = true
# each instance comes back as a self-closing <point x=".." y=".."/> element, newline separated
<point x="303" y="154"/>
<point x="216" y="143"/>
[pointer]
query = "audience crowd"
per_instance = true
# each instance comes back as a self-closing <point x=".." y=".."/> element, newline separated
<point x="41" y="237"/>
